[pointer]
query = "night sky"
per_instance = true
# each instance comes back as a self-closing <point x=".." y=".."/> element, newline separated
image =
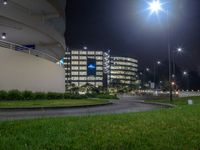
<point x="125" y="27"/>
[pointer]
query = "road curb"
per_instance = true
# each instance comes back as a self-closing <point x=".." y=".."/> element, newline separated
<point x="160" y="104"/>
<point x="53" y="108"/>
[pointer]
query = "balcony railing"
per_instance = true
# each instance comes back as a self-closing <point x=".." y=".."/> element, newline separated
<point x="30" y="51"/>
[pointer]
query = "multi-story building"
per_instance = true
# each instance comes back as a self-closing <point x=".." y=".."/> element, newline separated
<point x="32" y="41"/>
<point x="83" y="67"/>
<point x="123" y="70"/>
<point x="98" y="68"/>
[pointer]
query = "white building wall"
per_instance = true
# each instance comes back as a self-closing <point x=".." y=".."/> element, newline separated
<point x="27" y="72"/>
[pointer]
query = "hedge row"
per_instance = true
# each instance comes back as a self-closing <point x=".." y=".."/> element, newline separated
<point x="28" y="95"/>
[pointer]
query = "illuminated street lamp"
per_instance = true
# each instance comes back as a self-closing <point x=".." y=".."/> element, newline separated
<point x="178" y="50"/>
<point x="85" y="48"/>
<point x="185" y="73"/>
<point x="155" y="6"/>
<point x="158" y="63"/>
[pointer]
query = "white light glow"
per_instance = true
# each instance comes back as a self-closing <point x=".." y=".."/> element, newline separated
<point x="155" y="6"/>
<point x="85" y="48"/>
<point x="3" y="36"/>
<point x="5" y="2"/>
<point x="179" y="49"/>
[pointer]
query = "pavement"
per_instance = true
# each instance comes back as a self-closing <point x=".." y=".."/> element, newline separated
<point x="125" y="104"/>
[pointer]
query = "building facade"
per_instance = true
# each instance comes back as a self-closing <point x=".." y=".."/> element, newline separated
<point x="123" y="70"/>
<point x="82" y="67"/>
<point x="98" y="68"/>
<point x="32" y="42"/>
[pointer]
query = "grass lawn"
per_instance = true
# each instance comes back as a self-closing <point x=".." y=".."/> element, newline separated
<point x="179" y="101"/>
<point x="165" y="129"/>
<point x="43" y="103"/>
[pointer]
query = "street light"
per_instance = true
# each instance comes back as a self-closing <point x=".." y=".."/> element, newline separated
<point x="85" y="48"/>
<point x="185" y="73"/>
<point x="155" y="6"/>
<point x="157" y="63"/>
<point x="178" y="50"/>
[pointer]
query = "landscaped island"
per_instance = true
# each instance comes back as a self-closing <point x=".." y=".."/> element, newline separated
<point x="51" y="103"/>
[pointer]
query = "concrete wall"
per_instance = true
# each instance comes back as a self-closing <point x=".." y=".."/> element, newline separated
<point x="27" y="72"/>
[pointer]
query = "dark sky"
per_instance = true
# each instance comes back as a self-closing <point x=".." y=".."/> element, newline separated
<point x="125" y="27"/>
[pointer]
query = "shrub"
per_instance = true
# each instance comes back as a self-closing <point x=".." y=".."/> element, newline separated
<point x="106" y="96"/>
<point x="40" y="96"/>
<point x="78" y="96"/>
<point x="14" y="95"/>
<point x="67" y="96"/>
<point x="52" y="95"/>
<point x="74" y="96"/>
<point x="3" y="95"/>
<point x="27" y="95"/>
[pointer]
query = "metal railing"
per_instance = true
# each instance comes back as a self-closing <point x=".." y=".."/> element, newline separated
<point x="30" y="51"/>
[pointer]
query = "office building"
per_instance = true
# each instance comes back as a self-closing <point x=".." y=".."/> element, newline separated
<point x="98" y="68"/>
<point x="123" y="70"/>
<point x="83" y="67"/>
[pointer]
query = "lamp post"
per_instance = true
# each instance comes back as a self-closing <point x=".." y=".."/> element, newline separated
<point x="185" y="74"/>
<point x="155" y="6"/>
<point x="156" y="64"/>
<point x="178" y="50"/>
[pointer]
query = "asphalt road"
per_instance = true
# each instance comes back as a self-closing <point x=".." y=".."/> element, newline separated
<point x="125" y="104"/>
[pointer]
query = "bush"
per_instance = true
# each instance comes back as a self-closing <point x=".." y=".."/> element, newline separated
<point x="78" y="96"/>
<point x="27" y="95"/>
<point x="67" y="96"/>
<point x="74" y="96"/>
<point x="3" y="95"/>
<point x="14" y="95"/>
<point x="52" y="95"/>
<point x="106" y="96"/>
<point x="40" y="96"/>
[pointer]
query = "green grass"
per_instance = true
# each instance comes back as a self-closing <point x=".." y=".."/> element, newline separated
<point x="45" y="103"/>
<point x="168" y="129"/>
<point x="179" y="101"/>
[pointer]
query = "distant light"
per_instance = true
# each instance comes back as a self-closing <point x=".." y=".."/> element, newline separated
<point x="185" y="73"/>
<point x="3" y="36"/>
<point x="85" y="48"/>
<point x="155" y="6"/>
<point x="5" y="2"/>
<point x="158" y="62"/>
<point x="147" y="69"/>
<point x="179" y="49"/>
<point x="173" y="83"/>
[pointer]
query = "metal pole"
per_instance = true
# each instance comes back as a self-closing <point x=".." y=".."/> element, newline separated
<point x="169" y="57"/>
<point x="154" y="76"/>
